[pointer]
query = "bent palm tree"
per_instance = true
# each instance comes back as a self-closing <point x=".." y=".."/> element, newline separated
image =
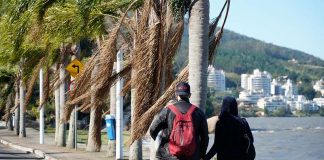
<point x="147" y="117"/>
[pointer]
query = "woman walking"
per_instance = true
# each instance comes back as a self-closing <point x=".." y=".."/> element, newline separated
<point x="233" y="137"/>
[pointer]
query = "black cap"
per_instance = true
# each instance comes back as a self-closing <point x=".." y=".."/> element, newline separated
<point x="183" y="88"/>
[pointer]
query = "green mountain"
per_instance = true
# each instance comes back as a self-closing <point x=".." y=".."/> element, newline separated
<point x="239" y="54"/>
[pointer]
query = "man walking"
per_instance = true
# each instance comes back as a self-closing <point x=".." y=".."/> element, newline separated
<point x="184" y="128"/>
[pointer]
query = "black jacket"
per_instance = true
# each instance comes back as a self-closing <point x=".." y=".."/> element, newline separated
<point x="164" y="122"/>
<point x="229" y="142"/>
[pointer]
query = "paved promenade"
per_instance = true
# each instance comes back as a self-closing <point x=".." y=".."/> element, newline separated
<point x="49" y="151"/>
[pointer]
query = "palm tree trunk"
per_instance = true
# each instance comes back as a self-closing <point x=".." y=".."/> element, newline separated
<point x="71" y="136"/>
<point x="9" y="103"/>
<point x="16" y="126"/>
<point x="71" y="143"/>
<point x="62" y="126"/>
<point x="112" y="143"/>
<point x="135" y="152"/>
<point x="57" y="109"/>
<point x="17" y="110"/>
<point x="9" y="123"/>
<point x="198" y="52"/>
<point x="22" y="127"/>
<point x="94" y="136"/>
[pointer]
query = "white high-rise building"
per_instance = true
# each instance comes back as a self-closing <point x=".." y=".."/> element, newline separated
<point x="319" y="86"/>
<point x="216" y="79"/>
<point x="290" y="89"/>
<point x="258" y="81"/>
<point x="276" y="88"/>
<point x="244" y="81"/>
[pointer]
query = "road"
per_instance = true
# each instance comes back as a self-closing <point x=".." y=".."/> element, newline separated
<point x="10" y="153"/>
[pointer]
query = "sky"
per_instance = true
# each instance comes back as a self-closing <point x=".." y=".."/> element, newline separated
<point x="296" y="24"/>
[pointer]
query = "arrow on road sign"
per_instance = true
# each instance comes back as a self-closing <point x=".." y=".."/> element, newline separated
<point x="74" y="68"/>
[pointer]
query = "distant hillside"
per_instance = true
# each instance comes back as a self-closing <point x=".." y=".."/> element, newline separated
<point x="239" y="54"/>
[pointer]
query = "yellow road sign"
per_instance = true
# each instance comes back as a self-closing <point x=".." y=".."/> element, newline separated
<point x="74" y="68"/>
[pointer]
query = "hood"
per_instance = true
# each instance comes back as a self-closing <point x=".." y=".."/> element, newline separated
<point x="229" y="107"/>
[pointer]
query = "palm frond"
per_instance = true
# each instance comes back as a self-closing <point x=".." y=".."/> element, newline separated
<point x="105" y="59"/>
<point x="148" y="116"/>
<point x="216" y="40"/>
<point x="213" y="25"/>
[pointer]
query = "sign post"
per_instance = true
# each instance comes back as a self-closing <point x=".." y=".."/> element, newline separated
<point x="74" y="68"/>
<point x="119" y="108"/>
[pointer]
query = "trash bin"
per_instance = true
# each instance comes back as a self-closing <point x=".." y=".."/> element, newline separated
<point x="111" y="127"/>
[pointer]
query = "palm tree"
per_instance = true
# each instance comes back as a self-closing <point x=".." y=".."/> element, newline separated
<point x="8" y="117"/>
<point x="198" y="52"/>
<point x="57" y="105"/>
<point x="15" y="45"/>
<point x="7" y="102"/>
<point x="94" y="143"/>
<point x="22" y="124"/>
<point x="72" y="128"/>
<point x="147" y="117"/>
<point x="112" y="104"/>
<point x="50" y="27"/>
<point x="99" y="88"/>
<point x="17" y="110"/>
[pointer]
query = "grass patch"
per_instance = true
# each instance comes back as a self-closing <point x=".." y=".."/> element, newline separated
<point x="82" y="135"/>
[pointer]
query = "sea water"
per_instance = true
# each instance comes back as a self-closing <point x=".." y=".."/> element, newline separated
<point x="287" y="138"/>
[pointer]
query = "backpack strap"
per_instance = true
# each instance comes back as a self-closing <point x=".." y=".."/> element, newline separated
<point x="175" y="110"/>
<point x="191" y="109"/>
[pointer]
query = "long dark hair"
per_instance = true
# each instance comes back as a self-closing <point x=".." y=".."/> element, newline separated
<point x="229" y="107"/>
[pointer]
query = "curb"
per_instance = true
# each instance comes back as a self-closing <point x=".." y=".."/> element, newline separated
<point x="28" y="150"/>
<point x="39" y="153"/>
<point x="25" y="149"/>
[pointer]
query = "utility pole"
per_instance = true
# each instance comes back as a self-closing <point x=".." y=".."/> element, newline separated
<point x="42" y="110"/>
<point x="119" y="108"/>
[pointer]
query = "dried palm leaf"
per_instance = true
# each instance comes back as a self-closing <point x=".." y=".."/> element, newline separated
<point x="147" y="70"/>
<point x="213" y="25"/>
<point x="85" y="104"/>
<point x="127" y="87"/>
<point x="145" y="118"/>
<point x="148" y="116"/>
<point x="172" y="50"/>
<point x="216" y="40"/>
<point x="106" y="56"/>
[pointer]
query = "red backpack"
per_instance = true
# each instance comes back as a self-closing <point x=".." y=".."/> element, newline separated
<point x="182" y="142"/>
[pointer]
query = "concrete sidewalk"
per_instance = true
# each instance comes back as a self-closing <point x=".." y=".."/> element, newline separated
<point x="49" y="150"/>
